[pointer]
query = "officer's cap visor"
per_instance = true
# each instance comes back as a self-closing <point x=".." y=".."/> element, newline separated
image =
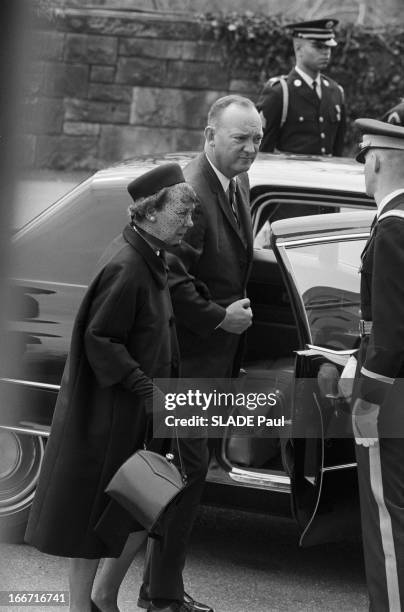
<point x="326" y="41"/>
<point x="362" y="153"/>
<point x="376" y="141"/>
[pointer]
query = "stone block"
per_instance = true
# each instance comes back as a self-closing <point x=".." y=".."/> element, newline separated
<point x="134" y="25"/>
<point x="96" y="112"/>
<point x="170" y="49"/>
<point x="141" y="71"/>
<point x="67" y="152"/>
<point x="81" y="128"/>
<point x="62" y="79"/>
<point x="34" y="78"/>
<point x="245" y="87"/>
<point x="195" y="75"/>
<point x="171" y="107"/>
<point x="110" y="93"/>
<point x="119" y="143"/>
<point x="90" y="49"/>
<point x="189" y="140"/>
<point x="48" y="45"/>
<point x="26" y="150"/>
<point x="102" y="74"/>
<point x="43" y="115"/>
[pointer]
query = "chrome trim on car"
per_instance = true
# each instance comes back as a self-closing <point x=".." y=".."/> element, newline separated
<point x="32" y="384"/>
<point x="328" y="350"/>
<point x="272" y="482"/>
<point x="42" y="433"/>
<point x="344" y="466"/>
<point x="47" y="282"/>
<point x="307" y="241"/>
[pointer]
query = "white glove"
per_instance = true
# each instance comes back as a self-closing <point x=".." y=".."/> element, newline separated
<point x="346" y="382"/>
<point x="364" y="422"/>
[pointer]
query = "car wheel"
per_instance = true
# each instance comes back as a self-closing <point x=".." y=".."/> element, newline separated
<point x="20" y="463"/>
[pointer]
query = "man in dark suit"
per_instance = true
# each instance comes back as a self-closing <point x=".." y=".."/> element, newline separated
<point x="208" y="277"/>
<point x="304" y="111"/>
<point x="378" y="415"/>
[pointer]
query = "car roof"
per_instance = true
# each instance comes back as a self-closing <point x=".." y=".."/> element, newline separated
<point x="316" y="226"/>
<point x="296" y="171"/>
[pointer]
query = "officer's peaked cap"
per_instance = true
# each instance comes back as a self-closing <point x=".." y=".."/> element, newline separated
<point x="319" y="29"/>
<point x="151" y="182"/>
<point x="378" y="135"/>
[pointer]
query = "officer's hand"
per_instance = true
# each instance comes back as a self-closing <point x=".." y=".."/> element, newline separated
<point x="364" y="422"/>
<point x="238" y="317"/>
<point x="327" y="378"/>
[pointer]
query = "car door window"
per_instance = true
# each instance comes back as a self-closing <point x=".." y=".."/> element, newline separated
<point x="281" y="209"/>
<point x="276" y="204"/>
<point x="326" y="275"/>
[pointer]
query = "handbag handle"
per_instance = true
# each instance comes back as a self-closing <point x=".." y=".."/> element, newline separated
<point x="182" y="470"/>
<point x="170" y="455"/>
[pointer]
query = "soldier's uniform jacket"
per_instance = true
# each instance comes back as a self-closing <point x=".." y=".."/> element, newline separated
<point x="313" y="126"/>
<point x="395" y="115"/>
<point x="381" y="358"/>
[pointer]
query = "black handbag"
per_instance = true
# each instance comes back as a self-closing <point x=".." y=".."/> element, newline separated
<point x="147" y="485"/>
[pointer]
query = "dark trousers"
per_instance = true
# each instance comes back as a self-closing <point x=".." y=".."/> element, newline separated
<point x="381" y="488"/>
<point x="162" y="578"/>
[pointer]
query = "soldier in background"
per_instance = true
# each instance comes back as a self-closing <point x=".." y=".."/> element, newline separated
<point x="396" y="114"/>
<point x="304" y="111"/>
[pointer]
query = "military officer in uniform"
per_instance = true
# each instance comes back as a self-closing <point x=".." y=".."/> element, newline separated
<point x="378" y="410"/>
<point x="396" y="114"/>
<point x="304" y="111"/>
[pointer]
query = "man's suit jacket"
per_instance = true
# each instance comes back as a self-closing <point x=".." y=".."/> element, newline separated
<point x="209" y="271"/>
<point x="312" y="126"/>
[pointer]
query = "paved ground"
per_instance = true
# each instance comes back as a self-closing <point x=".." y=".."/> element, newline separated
<point x="238" y="562"/>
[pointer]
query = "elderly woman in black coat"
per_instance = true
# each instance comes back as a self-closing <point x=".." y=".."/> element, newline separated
<point x="123" y="337"/>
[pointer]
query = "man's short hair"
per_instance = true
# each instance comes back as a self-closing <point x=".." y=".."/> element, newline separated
<point x="221" y="104"/>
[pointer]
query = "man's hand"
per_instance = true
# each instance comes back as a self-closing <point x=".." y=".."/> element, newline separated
<point x="238" y="317"/>
<point x="327" y="378"/>
<point x="364" y="422"/>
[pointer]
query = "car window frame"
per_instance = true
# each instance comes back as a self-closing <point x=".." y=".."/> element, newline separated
<point x="280" y="246"/>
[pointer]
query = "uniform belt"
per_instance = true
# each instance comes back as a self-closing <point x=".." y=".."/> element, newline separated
<point x="365" y="327"/>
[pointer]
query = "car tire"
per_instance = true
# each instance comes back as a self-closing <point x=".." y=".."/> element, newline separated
<point x="21" y="457"/>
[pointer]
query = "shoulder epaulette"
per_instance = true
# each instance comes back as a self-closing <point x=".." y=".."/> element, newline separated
<point x="281" y="79"/>
<point x="342" y="92"/>
<point x="395" y="212"/>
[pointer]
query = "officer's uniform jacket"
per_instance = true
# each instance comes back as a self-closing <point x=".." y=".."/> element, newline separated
<point x="382" y="302"/>
<point x="313" y="126"/>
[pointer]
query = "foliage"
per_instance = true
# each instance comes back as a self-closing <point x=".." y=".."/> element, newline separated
<point x="368" y="63"/>
<point x="43" y="9"/>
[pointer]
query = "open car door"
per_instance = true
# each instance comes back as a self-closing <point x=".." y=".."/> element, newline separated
<point x="319" y="260"/>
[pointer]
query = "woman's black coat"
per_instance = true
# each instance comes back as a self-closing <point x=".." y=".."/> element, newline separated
<point x="123" y="336"/>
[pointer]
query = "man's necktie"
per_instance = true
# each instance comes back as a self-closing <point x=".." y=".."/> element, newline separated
<point x="233" y="199"/>
<point x="315" y="90"/>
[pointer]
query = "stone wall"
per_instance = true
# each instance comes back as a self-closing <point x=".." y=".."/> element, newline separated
<point x="107" y="85"/>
